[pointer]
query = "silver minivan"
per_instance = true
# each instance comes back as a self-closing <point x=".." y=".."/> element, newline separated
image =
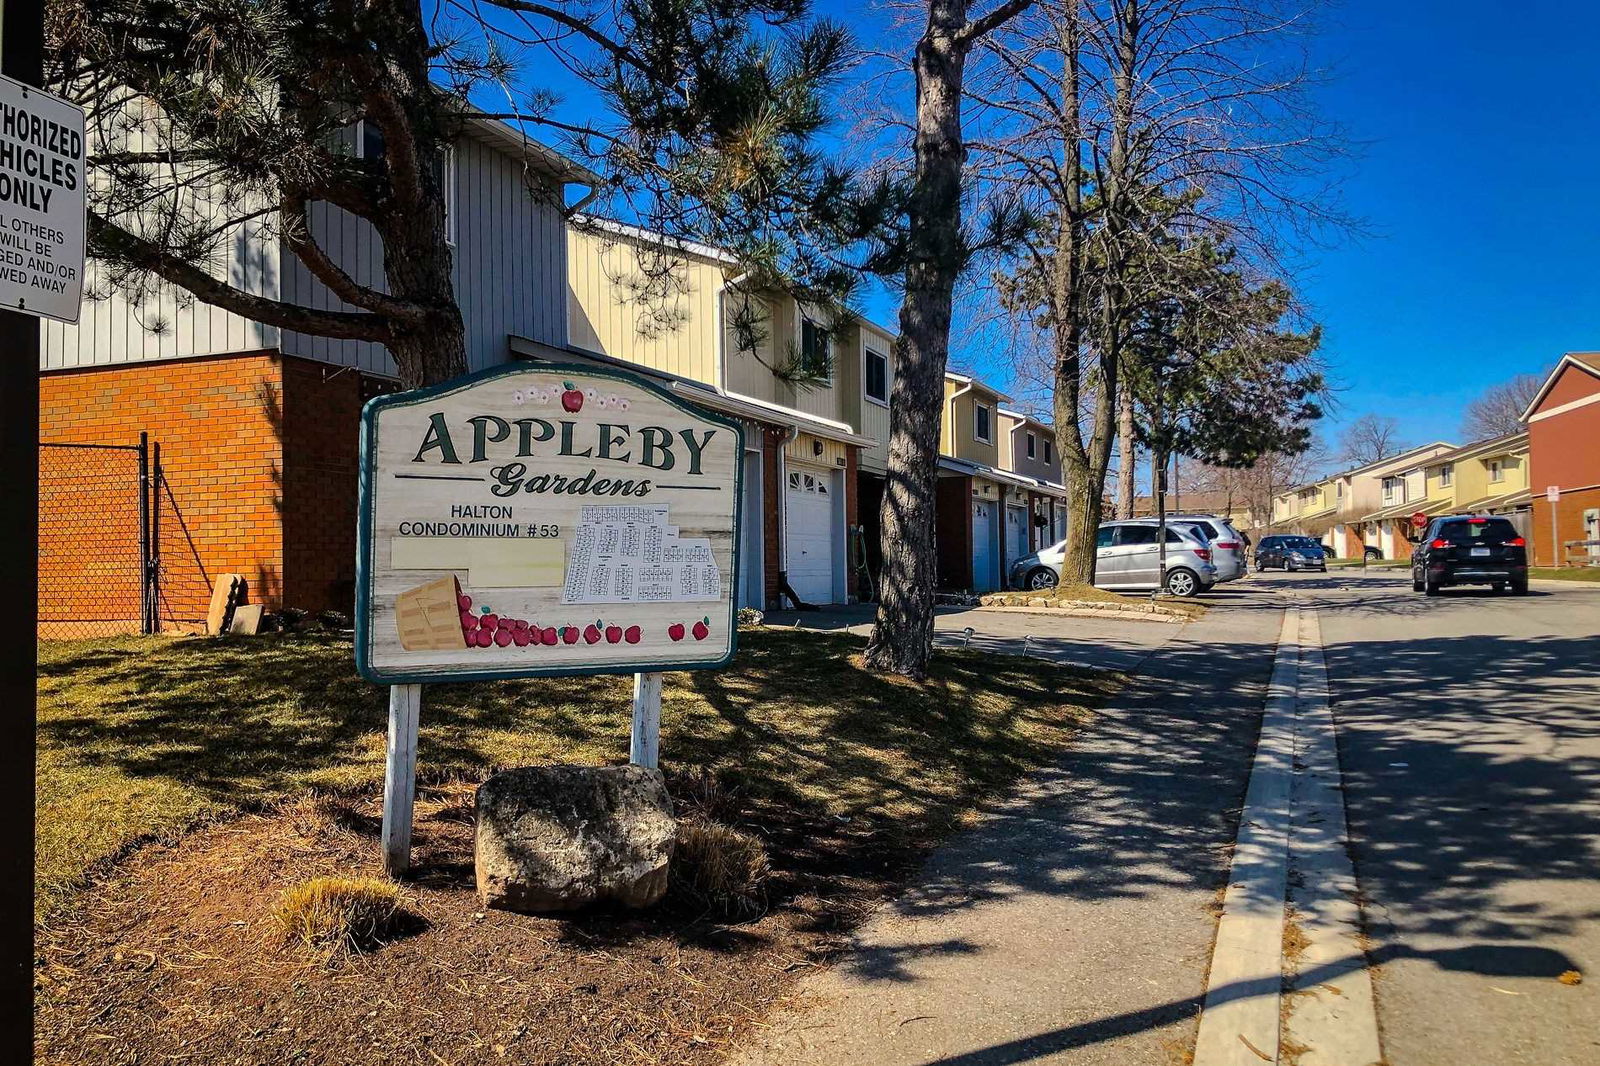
<point x="1127" y="559"/>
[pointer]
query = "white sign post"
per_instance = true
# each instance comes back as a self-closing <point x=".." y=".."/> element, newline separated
<point x="42" y="202"/>
<point x="1553" y="494"/>
<point x="538" y="520"/>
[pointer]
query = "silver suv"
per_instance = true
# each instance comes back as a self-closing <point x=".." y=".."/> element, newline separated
<point x="1127" y="559"/>
<point x="1227" y="545"/>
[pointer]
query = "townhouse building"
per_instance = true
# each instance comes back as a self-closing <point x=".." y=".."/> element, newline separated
<point x="989" y="509"/>
<point x="1483" y="477"/>
<point x="1564" y="464"/>
<point x="257" y="426"/>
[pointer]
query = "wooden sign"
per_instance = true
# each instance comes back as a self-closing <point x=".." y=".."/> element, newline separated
<point x="541" y="519"/>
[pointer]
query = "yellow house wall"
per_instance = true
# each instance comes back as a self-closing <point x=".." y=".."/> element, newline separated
<point x="869" y="417"/>
<point x="958" y="439"/>
<point x="610" y="312"/>
<point x="803" y="449"/>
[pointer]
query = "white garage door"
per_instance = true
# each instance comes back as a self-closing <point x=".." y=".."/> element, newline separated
<point x="809" y="505"/>
<point x="983" y="568"/>
<point x="1016" y="532"/>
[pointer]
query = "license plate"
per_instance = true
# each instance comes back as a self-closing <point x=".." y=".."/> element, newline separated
<point x="1480" y="553"/>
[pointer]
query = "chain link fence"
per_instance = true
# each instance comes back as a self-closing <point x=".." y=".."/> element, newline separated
<point x="97" y="565"/>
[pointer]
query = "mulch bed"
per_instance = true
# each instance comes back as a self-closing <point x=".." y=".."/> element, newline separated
<point x="175" y="955"/>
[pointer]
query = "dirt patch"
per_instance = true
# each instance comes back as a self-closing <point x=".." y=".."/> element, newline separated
<point x="178" y="958"/>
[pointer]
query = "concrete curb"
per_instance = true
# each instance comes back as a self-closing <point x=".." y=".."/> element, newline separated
<point x="1240" y="1022"/>
<point x="1292" y="852"/>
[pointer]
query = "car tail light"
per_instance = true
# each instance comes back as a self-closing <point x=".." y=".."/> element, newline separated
<point x="1230" y="545"/>
<point x="1204" y="553"/>
<point x="1438" y="542"/>
<point x="1476" y="521"/>
<point x="1517" y="542"/>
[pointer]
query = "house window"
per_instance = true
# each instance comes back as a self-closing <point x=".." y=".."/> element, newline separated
<point x="369" y="145"/>
<point x="1032" y="444"/>
<point x="1391" y="487"/>
<point x="1497" y="470"/>
<point x="1447" y="474"/>
<point x="1048" y="448"/>
<point x="877" y="377"/>
<point x="980" y="423"/>
<point x="816" y="351"/>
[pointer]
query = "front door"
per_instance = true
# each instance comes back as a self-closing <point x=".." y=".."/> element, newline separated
<point x="1016" y="533"/>
<point x="983" y="561"/>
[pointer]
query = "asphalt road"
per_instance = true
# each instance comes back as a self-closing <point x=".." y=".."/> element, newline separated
<point x="1469" y="736"/>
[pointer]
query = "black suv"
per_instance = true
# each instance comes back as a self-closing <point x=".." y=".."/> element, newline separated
<point x="1470" y="550"/>
<point x="1290" y="552"/>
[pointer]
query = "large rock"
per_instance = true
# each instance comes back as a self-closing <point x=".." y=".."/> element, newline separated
<point x="555" y="838"/>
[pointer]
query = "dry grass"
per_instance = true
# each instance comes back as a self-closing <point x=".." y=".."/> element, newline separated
<point x="337" y="916"/>
<point x="721" y="868"/>
<point x="143" y="738"/>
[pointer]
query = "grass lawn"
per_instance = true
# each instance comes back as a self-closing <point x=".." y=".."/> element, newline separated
<point x="141" y="738"/>
<point x="1566" y="573"/>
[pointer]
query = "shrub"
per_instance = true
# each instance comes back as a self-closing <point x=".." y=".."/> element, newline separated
<point x="722" y="868"/>
<point x="338" y="915"/>
<point x="749" y="616"/>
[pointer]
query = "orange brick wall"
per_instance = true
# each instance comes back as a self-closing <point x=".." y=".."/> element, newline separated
<point x="260" y="453"/>
<point x="216" y="420"/>
<point x="1569" y="519"/>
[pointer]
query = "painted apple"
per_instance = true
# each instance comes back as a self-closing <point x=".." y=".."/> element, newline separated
<point x="632" y="634"/>
<point x="701" y="629"/>
<point x="469" y="621"/>
<point x="482" y="637"/>
<point x="489" y="621"/>
<point x="613" y="634"/>
<point x="570" y="634"/>
<point x="464" y="602"/>
<point x="591" y="633"/>
<point x="572" y="399"/>
<point x="522" y="637"/>
<point x="503" y="637"/>
<point x="547" y="635"/>
<point x="675" y="631"/>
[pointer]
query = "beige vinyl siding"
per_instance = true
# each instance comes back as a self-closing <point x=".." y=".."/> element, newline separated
<point x="612" y="311"/>
<point x="750" y="373"/>
<point x="872" y="419"/>
<point x="959" y="438"/>
<point x="803" y="449"/>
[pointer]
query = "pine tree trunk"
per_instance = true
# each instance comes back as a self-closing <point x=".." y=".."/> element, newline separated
<point x="902" y="639"/>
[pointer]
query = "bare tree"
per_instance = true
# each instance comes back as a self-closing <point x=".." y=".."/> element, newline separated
<point x="1104" y="114"/>
<point x="1499" y="410"/>
<point x="1370" y="438"/>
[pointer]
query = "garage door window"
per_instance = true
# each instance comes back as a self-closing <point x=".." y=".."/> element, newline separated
<point x="800" y="482"/>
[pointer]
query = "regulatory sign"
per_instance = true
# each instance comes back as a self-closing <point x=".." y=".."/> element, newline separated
<point x="42" y="206"/>
<point x="543" y="519"/>
<point x="1418" y="520"/>
<point x="1552" y="493"/>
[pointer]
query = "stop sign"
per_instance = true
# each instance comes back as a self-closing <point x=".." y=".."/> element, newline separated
<point x="1419" y="520"/>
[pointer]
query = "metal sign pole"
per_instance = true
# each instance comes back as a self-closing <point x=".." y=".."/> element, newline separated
<point x="21" y="58"/>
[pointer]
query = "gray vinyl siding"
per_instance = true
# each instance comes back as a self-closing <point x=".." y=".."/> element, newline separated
<point x="509" y="273"/>
<point x="509" y="270"/>
<point x="173" y="324"/>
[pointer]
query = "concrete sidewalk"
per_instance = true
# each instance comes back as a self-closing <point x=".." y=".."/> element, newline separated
<point x="1074" y="923"/>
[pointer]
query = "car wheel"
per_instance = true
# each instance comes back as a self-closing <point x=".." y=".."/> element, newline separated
<point x="1519" y="588"/>
<point x="1430" y="587"/>
<point x="1373" y="553"/>
<point x="1042" y="578"/>
<point x="1289" y="566"/>
<point x="1416" y="582"/>
<point x="1183" y="582"/>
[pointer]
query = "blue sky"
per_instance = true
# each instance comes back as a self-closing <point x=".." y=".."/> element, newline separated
<point x="1478" y="180"/>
